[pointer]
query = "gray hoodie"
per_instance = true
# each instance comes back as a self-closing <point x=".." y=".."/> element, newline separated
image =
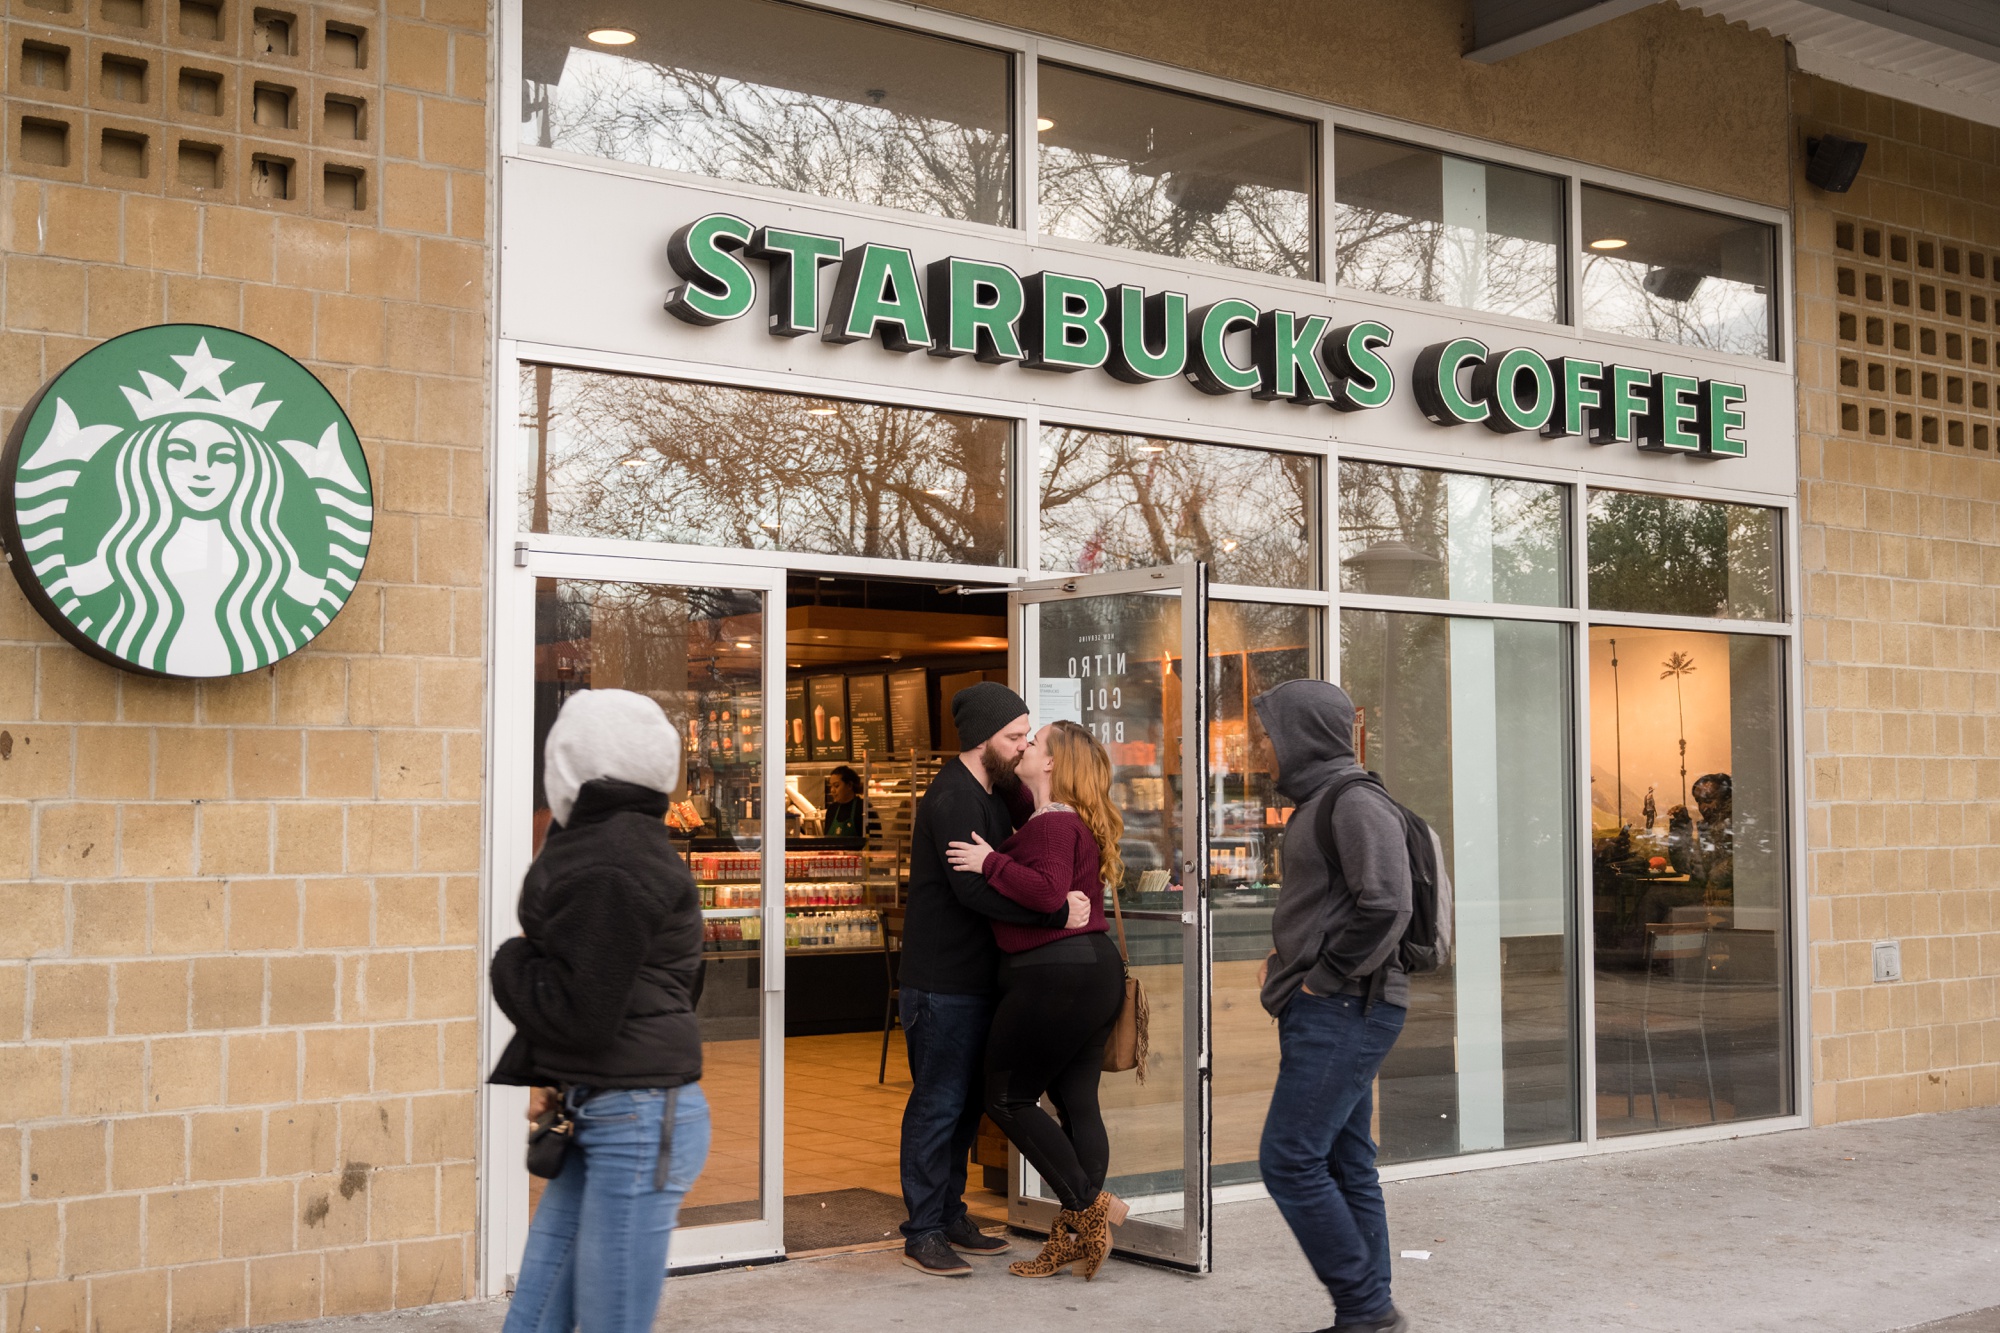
<point x="1332" y="927"/>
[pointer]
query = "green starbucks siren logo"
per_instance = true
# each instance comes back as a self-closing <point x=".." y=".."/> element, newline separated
<point x="186" y="501"/>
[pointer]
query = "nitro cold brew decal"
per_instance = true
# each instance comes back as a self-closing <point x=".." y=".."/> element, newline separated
<point x="1061" y="322"/>
<point x="186" y="501"/>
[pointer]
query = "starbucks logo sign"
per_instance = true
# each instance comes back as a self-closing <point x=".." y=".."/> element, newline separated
<point x="186" y="501"/>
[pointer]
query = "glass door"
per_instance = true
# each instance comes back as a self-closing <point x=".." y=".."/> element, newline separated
<point x="706" y="643"/>
<point x="1112" y="652"/>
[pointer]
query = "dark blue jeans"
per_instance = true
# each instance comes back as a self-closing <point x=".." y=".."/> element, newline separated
<point x="946" y="1039"/>
<point x="1317" y="1156"/>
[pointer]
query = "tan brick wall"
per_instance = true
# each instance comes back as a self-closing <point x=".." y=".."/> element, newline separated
<point x="1900" y="477"/>
<point x="239" y="921"/>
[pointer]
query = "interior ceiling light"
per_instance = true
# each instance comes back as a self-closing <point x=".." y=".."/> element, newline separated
<point x="744" y="643"/>
<point x="633" y="462"/>
<point x="1609" y="243"/>
<point x="1229" y="545"/>
<point x="1152" y="448"/>
<point x="1043" y="123"/>
<point x="823" y="410"/>
<point x="935" y="491"/>
<point x="613" y="36"/>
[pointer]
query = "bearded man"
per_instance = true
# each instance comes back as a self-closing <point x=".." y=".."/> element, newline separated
<point x="949" y="972"/>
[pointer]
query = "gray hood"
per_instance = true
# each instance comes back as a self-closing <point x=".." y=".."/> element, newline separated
<point x="608" y="734"/>
<point x="1311" y="726"/>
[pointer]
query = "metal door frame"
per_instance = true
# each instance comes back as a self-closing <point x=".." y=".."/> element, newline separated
<point x="1192" y="1245"/>
<point x="503" y="1127"/>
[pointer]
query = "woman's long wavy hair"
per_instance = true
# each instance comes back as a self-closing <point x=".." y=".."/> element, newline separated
<point x="1080" y="777"/>
<point x="149" y="612"/>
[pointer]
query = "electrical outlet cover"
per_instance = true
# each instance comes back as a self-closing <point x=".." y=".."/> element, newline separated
<point x="1888" y="960"/>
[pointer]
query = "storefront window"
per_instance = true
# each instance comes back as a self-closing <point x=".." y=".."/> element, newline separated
<point x="699" y="654"/>
<point x="1413" y="532"/>
<point x="1468" y="722"/>
<point x="1422" y="224"/>
<point x="662" y="460"/>
<point x="1112" y="501"/>
<point x="1126" y="164"/>
<point x="1688" y="877"/>
<point x="1252" y="647"/>
<point x="1676" y="274"/>
<point x="774" y="94"/>
<point x="1657" y="554"/>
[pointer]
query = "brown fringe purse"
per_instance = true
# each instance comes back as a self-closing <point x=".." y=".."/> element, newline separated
<point x="1127" y="1046"/>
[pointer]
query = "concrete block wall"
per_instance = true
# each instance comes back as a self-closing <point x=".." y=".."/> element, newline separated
<point x="239" y="921"/>
<point x="1900" y="482"/>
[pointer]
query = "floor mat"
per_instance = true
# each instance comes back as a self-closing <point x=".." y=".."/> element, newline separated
<point x="841" y="1217"/>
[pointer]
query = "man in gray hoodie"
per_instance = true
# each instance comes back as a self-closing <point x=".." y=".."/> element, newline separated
<point x="1334" y="985"/>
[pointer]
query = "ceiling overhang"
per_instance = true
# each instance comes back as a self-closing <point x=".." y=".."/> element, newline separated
<point x="1941" y="54"/>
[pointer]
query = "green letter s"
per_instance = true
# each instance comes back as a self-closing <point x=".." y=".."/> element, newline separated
<point x="716" y="286"/>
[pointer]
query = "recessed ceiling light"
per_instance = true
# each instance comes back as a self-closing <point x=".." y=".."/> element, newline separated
<point x="613" y="36"/>
<point x="745" y="643"/>
<point x="1229" y="545"/>
<point x="1609" y="243"/>
<point x="633" y="462"/>
<point x="823" y="410"/>
<point x="1043" y="123"/>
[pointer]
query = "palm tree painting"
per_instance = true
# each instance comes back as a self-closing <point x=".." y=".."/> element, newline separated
<point x="1677" y="665"/>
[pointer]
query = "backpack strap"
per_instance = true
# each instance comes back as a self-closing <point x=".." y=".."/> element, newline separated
<point x="1323" y="823"/>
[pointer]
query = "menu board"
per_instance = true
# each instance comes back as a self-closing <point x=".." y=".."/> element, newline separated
<point x="826" y="717"/>
<point x="868" y="714"/>
<point x="795" y="721"/>
<point x="910" y="709"/>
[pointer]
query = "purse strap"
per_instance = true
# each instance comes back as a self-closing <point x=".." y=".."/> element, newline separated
<point x="1124" y="952"/>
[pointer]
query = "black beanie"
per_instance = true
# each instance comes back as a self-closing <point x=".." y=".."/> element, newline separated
<point x="980" y="710"/>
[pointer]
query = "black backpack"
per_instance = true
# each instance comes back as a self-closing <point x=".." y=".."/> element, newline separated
<point x="1426" y="941"/>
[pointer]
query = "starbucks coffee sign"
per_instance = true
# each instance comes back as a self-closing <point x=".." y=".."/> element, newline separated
<point x="186" y="501"/>
<point x="953" y="307"/>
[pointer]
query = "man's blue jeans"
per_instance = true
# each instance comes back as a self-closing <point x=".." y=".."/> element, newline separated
<point x="946" y="1039"/>
<point x="597" y="1249"/>
<point x="1317" y="1156"/>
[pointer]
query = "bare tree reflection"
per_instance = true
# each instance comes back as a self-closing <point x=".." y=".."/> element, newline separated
<point x="699" y="464"/>
<point x="1379" y="250"/>
<point x="1413" y="505"/>
<point x="1619" y="296"/>
<point x="1211" y="216"/>
<point x="1112" y="501"/>
<point x="711" y="125"/>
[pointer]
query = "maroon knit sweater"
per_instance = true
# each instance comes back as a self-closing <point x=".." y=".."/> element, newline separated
<point x="1052" y="854"/>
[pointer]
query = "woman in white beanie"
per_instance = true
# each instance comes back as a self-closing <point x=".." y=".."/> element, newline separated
<point x="601" y="986"/>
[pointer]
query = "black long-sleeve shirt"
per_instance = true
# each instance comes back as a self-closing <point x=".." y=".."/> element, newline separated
<point x="948" y="937"/>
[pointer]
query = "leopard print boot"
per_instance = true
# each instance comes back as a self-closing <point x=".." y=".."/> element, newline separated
<point x="1062" y="1249"/>
<point x="1093" y="1226"/>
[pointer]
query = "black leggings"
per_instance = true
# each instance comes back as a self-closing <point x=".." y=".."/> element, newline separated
<point x="1057" y="1006"/>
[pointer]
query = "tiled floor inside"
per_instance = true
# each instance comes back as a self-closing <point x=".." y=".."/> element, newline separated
<point x="842" y="1127"/>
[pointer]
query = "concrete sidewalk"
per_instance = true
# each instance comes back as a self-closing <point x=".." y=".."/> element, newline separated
<point x="1857" y="1229"/>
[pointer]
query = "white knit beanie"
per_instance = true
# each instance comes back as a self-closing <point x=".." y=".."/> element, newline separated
<point x="609" y="734"/>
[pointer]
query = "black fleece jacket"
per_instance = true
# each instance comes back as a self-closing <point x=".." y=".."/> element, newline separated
<point x="602" y="983"/>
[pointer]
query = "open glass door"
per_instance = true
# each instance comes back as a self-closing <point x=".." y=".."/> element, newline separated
<point x="706" y="643"/>
<point x="1112" y="651"/>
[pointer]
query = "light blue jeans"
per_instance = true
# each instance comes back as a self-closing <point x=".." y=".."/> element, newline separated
<point x="597" y="1250"/>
